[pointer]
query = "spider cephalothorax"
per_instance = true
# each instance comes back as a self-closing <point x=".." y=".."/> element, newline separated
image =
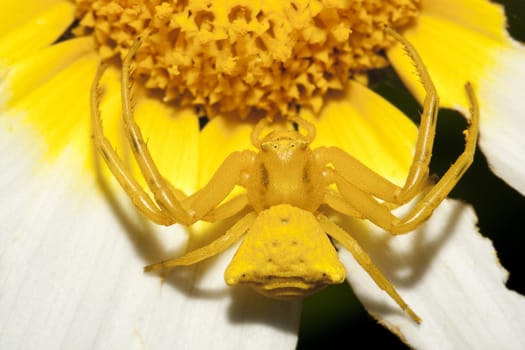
<point x="285" y="170"/>
<point x="286" y="250"/>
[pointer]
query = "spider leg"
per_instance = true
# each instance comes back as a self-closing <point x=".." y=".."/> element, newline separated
<point x="227" y="209"/>
<point x="337" y="202"/>
<point x="217" y="246"/>
<point x="138" y="196"/>
<point x="371" y="182"/>
<point x="424" y="208"/>
<point x="165" y="198"/>
<point x="361" y="201"/>
<point x="207" y="198"/>
<point x="229" y="174"/>
<point x="350" y="244"/>
<point x="418" y="173"/>
<point x="357" y="173"/>
<point x="379" y="214"/>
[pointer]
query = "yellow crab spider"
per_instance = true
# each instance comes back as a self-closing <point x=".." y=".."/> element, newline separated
<point x="286" y="251"/>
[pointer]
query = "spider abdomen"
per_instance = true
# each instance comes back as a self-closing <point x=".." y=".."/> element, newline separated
<point x="285" y="254"/>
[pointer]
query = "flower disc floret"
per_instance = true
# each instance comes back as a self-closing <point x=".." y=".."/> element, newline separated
<point x="237" y="57"/>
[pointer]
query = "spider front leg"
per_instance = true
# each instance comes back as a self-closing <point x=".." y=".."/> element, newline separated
<point x="138" y="196"/>
<point x="169" y="204"/>
<point x="204" y="203"/>
<point x="369" y="181"/>
<point x="419" y="169"/>
<point x="360" y="192"/>
<point x="161" y="190"/>
<point x="200" y="204"/>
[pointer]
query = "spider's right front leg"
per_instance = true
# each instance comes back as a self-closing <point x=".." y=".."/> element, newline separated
<point x="162" y="191"/>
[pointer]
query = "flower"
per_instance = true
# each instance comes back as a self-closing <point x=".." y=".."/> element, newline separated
<point x="67" y="283"/>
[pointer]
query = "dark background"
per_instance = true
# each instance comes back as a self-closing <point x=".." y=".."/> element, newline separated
<point x="335" y="316"/>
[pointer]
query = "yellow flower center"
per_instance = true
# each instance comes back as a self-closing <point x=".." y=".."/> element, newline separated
<point x="238" y="57"/>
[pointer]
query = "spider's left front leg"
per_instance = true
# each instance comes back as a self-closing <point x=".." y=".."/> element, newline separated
<point x="419" y="169"/>
<point x="371" y="182"/>
<point x="362" y="198"/>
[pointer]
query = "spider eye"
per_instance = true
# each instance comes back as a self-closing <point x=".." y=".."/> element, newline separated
<point x="275" y="146"/>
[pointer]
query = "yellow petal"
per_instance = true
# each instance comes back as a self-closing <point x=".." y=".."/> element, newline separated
<point x="59" y="109"/>
<point x="171" y="134"/>
<point x="60" y="112"/>
<point x="172" y="137"/>
<point x="369" y="128"/>
<point x="218" y="139"/>
<point x="14" y="13"/>
<point x="26" y="75"/>
<point x="38" y="30"/>
<point x="453" y="54"/>
<point x="481" y="16"/>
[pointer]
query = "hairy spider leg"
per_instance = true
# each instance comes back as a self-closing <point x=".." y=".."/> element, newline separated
<point x="138" y="196"/>
<point x="350" y="244"/>
<point x="379" y="213"/>
<point x="167" y="208"/>
<point x="369" y="181"/>
<point x="419" y="170"/>
<point x="164" y="197"/>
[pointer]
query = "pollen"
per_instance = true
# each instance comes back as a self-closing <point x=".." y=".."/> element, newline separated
<point x="232" y="57"/>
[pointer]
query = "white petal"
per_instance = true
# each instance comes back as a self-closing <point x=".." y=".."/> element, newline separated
<point x="450" y="276"/>
<point x="502" y="101"/>
<point x="71" y="269"/>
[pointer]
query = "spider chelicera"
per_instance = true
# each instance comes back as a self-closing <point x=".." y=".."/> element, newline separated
<point x="286" y="251"/>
